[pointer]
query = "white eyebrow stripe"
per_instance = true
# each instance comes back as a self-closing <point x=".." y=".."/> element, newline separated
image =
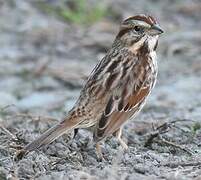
<point x="142" y="23"/>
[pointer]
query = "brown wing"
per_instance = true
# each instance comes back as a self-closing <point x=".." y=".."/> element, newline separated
<point x="127" y="92"/>
<point x="109" y="123"/>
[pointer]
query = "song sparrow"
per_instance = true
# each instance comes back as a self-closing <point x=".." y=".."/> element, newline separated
<point x="117" y="88"/>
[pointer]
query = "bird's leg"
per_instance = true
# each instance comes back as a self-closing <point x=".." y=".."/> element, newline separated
<point x="118" y="136"/>
<point x="75" y="132"/>
<point x="99" y="151"/>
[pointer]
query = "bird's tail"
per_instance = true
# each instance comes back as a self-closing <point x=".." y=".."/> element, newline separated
<point x="49" y="136"/>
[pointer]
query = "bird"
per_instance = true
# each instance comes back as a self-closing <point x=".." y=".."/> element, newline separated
<point x="116" y="89"/>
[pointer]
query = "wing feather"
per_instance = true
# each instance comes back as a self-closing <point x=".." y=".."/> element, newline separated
<point x="126" y="95"/>
<point x="109" y="124"/>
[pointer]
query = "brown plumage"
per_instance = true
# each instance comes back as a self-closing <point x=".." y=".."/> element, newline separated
<point x="118" y="86"/>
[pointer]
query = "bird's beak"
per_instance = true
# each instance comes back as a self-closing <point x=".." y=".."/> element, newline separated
<point x="155" y="30"/>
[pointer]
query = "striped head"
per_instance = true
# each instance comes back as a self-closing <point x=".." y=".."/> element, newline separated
<point x="137" y="29"/>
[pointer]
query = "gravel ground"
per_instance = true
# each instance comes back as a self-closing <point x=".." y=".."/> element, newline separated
<point x="44" y="61"/>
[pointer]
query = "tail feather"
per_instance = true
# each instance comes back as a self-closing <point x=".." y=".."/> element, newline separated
<point x="49" y="136"/>
<point x="52" y="134"/>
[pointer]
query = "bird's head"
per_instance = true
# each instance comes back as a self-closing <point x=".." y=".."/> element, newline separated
<point x="135" y="30"/>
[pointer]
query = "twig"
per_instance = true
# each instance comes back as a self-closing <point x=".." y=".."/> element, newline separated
<point x="8" y="133"/>
<point x="15" y="146"/>
<point x="182" y="164"/>
<point x="162" y="140"/>
<point x="161" y="130"/>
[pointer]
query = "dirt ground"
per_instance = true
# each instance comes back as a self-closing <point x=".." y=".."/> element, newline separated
<point x="45" y="57"/>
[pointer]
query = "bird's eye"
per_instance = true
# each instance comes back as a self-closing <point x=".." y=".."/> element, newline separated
<point x="137" y="28"/>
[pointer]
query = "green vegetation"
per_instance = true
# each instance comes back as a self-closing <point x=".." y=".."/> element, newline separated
<point x="195" y="127"/>
<point x="78" y="12"/>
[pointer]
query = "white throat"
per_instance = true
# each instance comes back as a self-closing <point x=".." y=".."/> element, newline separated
<point x="152" y="40"/>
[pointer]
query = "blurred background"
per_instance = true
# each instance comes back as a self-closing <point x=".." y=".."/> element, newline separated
<point x="49" y="47"/>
